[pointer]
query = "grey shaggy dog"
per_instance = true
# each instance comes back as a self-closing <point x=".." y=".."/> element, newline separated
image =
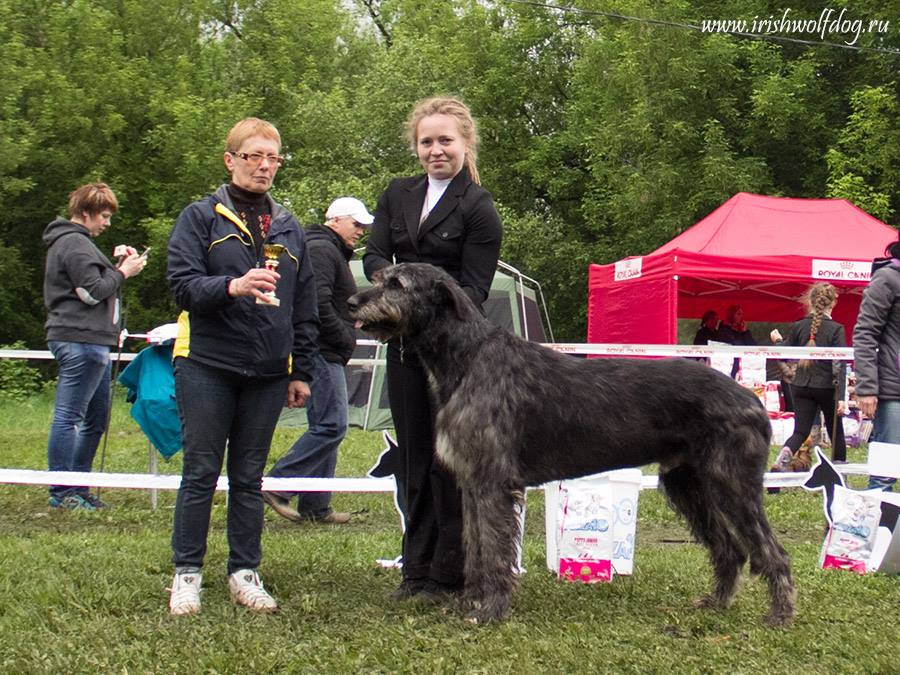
<point x="511" y="414"/>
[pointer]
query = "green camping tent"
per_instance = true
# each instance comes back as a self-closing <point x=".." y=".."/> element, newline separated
<point x="511" y="304"/>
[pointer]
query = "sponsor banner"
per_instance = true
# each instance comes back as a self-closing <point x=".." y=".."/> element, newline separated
<point x="704" y="351"/>
<point x="628" y="269"/>
<point x="841" y="270"/>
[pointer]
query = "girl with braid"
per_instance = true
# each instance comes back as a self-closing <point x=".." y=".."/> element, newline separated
<point x="817" y="381"/>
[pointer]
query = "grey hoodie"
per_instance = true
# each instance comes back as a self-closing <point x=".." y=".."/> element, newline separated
<point x="80" y="287"/>
<point x="876" y="337"/>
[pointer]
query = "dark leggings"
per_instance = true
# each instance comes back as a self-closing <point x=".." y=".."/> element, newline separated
<point x="808" y="401"/>
<point x="432" y="542"/>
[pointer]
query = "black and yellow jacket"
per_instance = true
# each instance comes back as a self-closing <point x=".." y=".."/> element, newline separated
<point x="208" y="247"/>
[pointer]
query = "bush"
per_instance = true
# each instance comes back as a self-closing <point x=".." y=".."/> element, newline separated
<point x="18" y="380"/>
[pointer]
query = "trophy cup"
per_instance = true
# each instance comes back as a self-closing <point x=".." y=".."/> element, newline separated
<point x="271" y="251"/>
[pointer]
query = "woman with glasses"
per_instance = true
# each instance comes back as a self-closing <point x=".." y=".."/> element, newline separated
<point x="239" y="270"/>
<point x="443" y="217"/>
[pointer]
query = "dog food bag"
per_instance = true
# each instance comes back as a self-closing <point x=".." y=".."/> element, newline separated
<point x="851" y="428"/>
<point x="854" y="515"/>
<point x="590" y="525"/>
<point x="772" y="397"/>
<point x="782" y="426"/>
<point x="585" y="530"/>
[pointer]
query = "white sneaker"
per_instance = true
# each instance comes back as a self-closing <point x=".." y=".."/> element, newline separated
<point x="185" y="597"/>
<point x="247" y="589"/>
<point x="783" y="460"/>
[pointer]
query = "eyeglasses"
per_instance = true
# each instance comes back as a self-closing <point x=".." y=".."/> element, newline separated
<point x="256" y="158"/>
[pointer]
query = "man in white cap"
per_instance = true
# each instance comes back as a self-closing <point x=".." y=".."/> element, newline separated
<point x="315" y="452"/>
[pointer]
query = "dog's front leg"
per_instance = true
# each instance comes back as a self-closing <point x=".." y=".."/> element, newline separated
<point x="473" y="594"/>
<point x="491" y="531"/>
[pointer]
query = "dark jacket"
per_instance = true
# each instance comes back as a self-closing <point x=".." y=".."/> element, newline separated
<point x="81" y="287"/>
<point x="820" y="374"/>
<point x="876" y="337"/>
<point x="329" y="256"/>
<point x="734" y="337"/>
<point x="208" y="247"/>
<point x="704" y="335"/>
<point x="461" y="234"/>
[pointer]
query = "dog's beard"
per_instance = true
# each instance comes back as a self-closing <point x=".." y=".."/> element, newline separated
<point x="382" y="327"/>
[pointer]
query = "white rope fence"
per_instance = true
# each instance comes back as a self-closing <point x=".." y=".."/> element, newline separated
<point x="153" y="481"/>
<point x="149" y="481"/>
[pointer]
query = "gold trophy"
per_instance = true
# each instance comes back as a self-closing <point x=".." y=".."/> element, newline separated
<point x="272" y="252"/>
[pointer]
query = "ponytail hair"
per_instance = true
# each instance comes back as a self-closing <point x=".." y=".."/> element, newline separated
<point x="459" y="111"/>
<point x="819" y="299"/>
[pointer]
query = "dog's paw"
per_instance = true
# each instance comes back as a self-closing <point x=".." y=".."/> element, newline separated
<point x="480" y="617"/>
<point x="778" y="619"/>
<point x="486" y="612"/>
<point x="709" y="602"/>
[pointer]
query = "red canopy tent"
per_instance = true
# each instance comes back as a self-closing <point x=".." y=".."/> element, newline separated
<point x="754" y="251"/>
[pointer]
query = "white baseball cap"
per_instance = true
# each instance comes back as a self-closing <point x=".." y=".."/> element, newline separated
<point x="352" y="207"/>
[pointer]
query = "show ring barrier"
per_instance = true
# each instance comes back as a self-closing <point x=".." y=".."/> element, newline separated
<point x="154" y="481"/>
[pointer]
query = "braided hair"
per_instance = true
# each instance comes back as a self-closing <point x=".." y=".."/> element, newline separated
<point x="819" y="299"/>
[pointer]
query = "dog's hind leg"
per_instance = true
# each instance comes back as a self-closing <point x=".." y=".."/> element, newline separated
<point x="490" y="530"/>
<point x="767" y="557"/>
<point x="690" y="493"/>
<point x="738" y="498"/>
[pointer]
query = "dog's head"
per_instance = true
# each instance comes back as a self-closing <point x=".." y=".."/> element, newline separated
<point x="406" y="298"/>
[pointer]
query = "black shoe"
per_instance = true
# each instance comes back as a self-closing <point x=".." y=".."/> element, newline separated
<point x="437" y="593"/>
<point x="282" y="507"/>
<point x="408" y="588"/>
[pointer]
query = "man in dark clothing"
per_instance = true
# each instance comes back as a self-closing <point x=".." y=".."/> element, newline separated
<point x="315" y="452"/>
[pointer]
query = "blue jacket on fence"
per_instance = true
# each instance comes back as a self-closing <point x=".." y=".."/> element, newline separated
<point x="151" y="391"/>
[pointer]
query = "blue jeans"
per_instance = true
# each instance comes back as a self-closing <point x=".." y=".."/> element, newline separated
<point x="314" y="454"/>
<point x="886" y="429"/>
<point x="219" y="407"/>
<point x="81" y="411"/>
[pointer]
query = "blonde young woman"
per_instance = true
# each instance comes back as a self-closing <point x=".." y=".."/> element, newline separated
<point x="443" y="217"/>
<point x="817" y="382"/>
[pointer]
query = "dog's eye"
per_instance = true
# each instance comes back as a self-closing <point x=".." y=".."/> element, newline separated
<point x="393" y="282"/>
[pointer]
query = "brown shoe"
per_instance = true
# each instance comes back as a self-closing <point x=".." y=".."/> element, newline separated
<point x="282" y="507"/>
<point x="334" y="518"/>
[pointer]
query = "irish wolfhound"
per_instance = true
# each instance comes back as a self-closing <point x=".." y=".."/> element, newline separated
<point x="511" y="413"/>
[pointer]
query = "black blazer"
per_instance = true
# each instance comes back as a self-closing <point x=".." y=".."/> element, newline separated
<point x="461" y="234"/>
<point x="820" y="374"/>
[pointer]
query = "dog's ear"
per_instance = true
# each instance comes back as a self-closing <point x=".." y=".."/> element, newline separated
<point x="448" y="293"/>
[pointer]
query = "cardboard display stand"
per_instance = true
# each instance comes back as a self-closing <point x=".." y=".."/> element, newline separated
<point x="863" y="525"/>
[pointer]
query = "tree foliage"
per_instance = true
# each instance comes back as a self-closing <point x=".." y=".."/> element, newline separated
<point x="601" y="137"/>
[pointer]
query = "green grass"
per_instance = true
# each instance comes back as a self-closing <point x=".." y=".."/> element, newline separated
<point x="85" y="592"/>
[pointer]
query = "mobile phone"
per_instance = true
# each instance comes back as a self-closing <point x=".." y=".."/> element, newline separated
<point x="145" y="252"/>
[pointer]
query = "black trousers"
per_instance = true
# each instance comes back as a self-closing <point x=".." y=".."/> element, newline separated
<point x="808" y="401"/>
<point x="432" y="542"/>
